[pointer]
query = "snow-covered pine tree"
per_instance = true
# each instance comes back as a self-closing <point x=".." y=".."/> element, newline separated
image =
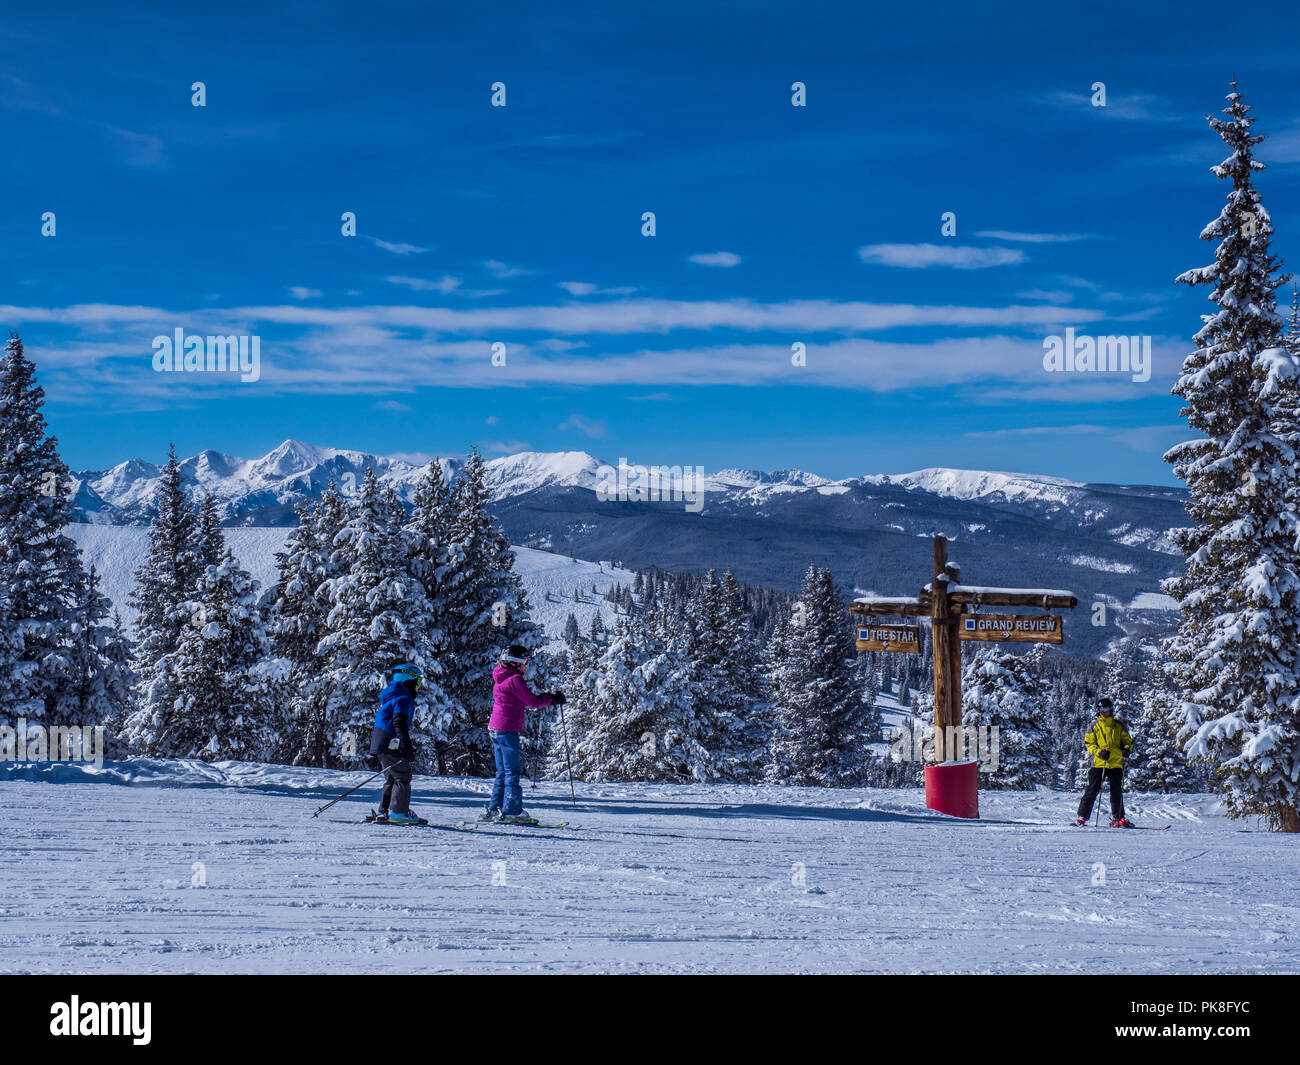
<point x="296" y="626"/>
<point x="1000" y="689"/>
<point x="210" y="545"/>
<point x="1118" y="685"/>
<point x="379" y="618"/>
<point x="821" y="727"/>
<point x="432" y="556"/>
<point x="1157" y="763"/>
<point x="572" y="634"/>
<point x="231" y="694"/>
<point x="1234" y="656"/>
<point x="166" y="580"/>
<point x="40" y="567"/>
<point x="630" y="716"/>
<point x="1291" y="338"/>
<point x="98" y="682"/>
<point x="729" y="704"/>
<point x="485" y="610"/>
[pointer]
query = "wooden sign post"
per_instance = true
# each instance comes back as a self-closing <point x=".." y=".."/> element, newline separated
<point x="954" y="612"/>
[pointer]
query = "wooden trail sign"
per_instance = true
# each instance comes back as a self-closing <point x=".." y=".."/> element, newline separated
<point x="1014" y="628"/>
<point x="946" y="602"/>
<point x="890" y="638"/>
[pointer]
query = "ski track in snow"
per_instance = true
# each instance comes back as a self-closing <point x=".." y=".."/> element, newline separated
<point x="96" y="868"/>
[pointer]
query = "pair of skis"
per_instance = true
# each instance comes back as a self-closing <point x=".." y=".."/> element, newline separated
<point x="373" y="818"/>
<point x="1144" y="828"/>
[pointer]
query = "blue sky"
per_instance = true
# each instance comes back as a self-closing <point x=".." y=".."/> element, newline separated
<point x="521" y="225"/>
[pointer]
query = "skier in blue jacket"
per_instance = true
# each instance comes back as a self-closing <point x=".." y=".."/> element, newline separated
<point x="390" y="742"/>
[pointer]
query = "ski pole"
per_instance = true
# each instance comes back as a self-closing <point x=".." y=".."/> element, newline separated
<point x="349" y="792"/>
<point x="568" y="756"/>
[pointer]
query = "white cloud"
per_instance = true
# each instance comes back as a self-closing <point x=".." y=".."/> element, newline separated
<point x="498" y="269"/>
<point x="1034" y="238"/>
<point x="923" y="256"/>
<point x="507" y="447"/>
<point x="611" y="318"/>
<point x="585" y="288"/>
<point x="491" y="419"/>
<point x="592" y="428"/>
<point x="1128" y="107"/>
<point x="724" y="259"/>
<point x="393" y="405"/>
<point x="444" y="284"/>
<point x="299" y="292"/>
<point x="395" y="248"/>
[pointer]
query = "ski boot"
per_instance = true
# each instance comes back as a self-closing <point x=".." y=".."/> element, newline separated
<point x="490" y="814"/>
<point x="1080" y="821"/>
<point x="1121" y="822"/>
<point x="405" y="818"/>
<point x="523" y="817"/>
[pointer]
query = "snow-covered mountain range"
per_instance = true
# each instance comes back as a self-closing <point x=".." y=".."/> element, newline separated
<point x="1107" y="543"/>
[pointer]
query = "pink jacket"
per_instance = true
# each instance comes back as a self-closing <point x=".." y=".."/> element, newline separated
<point x="511" y="698"/>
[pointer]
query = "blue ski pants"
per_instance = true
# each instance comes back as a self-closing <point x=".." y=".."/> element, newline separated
<point x="507" y="793"/>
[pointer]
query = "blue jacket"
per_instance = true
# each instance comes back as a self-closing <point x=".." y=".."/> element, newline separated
<point x="393" y="718"/>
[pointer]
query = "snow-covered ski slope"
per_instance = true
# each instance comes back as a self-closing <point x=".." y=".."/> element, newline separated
<point x="550" y="580"/>
<point x="97" y="874"/>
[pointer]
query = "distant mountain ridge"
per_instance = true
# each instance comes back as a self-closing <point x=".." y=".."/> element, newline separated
<point x="1108" y="543"/>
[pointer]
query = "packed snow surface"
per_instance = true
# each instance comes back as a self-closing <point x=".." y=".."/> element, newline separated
<point x="177" y="867"/>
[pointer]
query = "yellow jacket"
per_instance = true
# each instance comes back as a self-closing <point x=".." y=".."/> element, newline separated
<point x="1108" y="735"/>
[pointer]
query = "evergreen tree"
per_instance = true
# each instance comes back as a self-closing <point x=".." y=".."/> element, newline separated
<point x="485" y="610"/>
<point x="379" y="618"/>
<point x="165" y="582"/>
<point x="632" y="716"/>
<point x="572" y="634"/>
<point x="821" y="728"/>
<point x="1000" y="690"/>
<point x="299" y="622"/>
<point x="1157" y="763"/>
<point x="210" y="546"/>
<point x="230" y="691"/>
<point x="728" y="695"/>
<point x="97" y="686"/>
<point x="432" y="555"/>
<point x="40" y="567"/>
<point x="1234" y="657"/>
<point x="1118" y="685"/>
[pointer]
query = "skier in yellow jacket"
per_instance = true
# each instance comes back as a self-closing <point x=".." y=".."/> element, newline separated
<point x="1108" y="743"/>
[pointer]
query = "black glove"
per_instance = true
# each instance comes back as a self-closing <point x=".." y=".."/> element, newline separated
<point x="557" y="698"/>
<point x="376" y="763"/>
<point x="405" y="750"/>
<point x="1104" y="755"/>
<point x="1128" y="751"/>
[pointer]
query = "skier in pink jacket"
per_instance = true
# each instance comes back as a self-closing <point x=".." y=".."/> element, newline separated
<point x="511" y="700"/>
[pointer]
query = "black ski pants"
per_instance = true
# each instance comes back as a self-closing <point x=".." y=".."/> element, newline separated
<point x="1116" y="778"/>
<point x="397" y="783"/>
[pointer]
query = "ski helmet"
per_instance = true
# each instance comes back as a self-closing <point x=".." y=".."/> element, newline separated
<point x="1107" y="707"/>
<point x="515" y="654"/>
<point x="408" y="672"/>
